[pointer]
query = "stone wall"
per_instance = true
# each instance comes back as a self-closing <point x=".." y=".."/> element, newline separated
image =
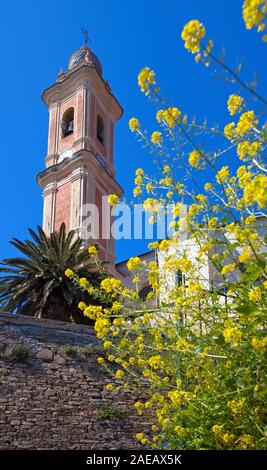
<point x="52" y="400"/>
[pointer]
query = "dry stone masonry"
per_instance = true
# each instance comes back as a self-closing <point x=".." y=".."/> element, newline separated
<point x="52" y="391"/>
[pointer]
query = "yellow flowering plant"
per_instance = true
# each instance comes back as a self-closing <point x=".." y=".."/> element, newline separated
<point x="113" y="199"/>
<point x="196" y="346"/>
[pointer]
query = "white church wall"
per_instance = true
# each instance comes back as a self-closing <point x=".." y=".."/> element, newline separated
<point x="168" y="278"/>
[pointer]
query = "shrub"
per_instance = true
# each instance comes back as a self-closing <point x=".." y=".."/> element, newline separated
<point x="18" y="353"/>
<point x="71" y="351"/>
<point x="110" y="413"/>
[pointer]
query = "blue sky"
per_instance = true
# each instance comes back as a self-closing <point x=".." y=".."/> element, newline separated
<point x="37" y="38"/>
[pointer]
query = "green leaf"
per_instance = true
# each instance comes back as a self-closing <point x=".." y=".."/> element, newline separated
<point x="247" y="309"/>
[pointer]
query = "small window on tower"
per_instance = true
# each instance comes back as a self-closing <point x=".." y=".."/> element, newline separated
<point x="67" y="123"/>
<point x="100" y="129"/>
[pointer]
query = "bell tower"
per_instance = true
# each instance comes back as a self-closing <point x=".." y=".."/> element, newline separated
<point x="80" y="161"/>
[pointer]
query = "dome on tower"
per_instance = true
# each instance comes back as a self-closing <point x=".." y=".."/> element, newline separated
<point x="84" y="54"/>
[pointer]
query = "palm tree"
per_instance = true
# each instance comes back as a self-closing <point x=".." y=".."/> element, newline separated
<point x="36" y="285"/>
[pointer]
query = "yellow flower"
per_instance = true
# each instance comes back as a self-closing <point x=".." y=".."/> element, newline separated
<point x="222" y="175"/>
<point x="138" y="405"/>
<point x="236" y="406"/>
<point x="82" y="306"/>
<point x="245" y="256"/>
<point x="166" y="169"/>
<point x="244" y="176"/>
<point x="208" y="187"/>
<point x="253" y="12"/>
<point x="175" y="396"/>
<point x="164" y="245"/>
<point x="134" y="263"/>
<point x="256" y="343"/>
<point x="172" y="116"/>
<point x="111" y="285"/>
<point x="138" y="180"/>
<point x="101" y="326"/>
<point x="235" y="104"/>
<point x="227" y="269"/>
<point x="146" y="78"/>
<point x="259" y="343"/>
<point x="246" y="440"/>
<point x="216" y="429"/>
<point x="119" y="374"/>
<point x="194" y="209"/>
<point x="255" y="191"/>
<point x="90" y="289"/>
<point x="107" y="344"/>
<point x="139" y="172"/>
<point x="180" y="431"/>
<point x="83" y="282"/>
<point x="151" y="205"/>
<point x="255" y="294"/>
<point x="229" y="130"/>
<point x="149" y="187"/>
<point x="250" y="219"/>
<point x="156" y="138"/>
<point x="110" y="387"/>
<point x="194" y="158"/>
<point x="228" y="438"/>
<point x="247" y="150"/>
<point x="116" y="307"/>
<point x="100" y="360"/>
<point x="212" y="223"/>
<point x="155" y="362"/>
<point x="92" y="250"/>
<point x="201" y="198"/>
<point x="167" y="181"/>
<point x="137" y="191"/>
<point x="192" y="34"/>
<point x="134" y="124"/>
<point x="92" y="311"/>
<point x="183" y="345"/>
<point x="113" y="199"/>
<point x="232" y="335"/>
<point x="69" y="273"/>
<point x="261" y="28"/>
<point x="155" y="245"/>
<point x="246" y="123"/>
<point x="160" y="116"/>
<point x="169" y="116"/>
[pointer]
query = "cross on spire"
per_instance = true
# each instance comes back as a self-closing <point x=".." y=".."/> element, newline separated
<point x="86" y="39"/>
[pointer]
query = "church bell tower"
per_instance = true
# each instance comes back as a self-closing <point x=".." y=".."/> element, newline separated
<point x="80" y="161"/>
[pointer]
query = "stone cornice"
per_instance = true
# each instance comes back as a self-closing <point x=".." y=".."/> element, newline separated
<point x="73" y="163"/>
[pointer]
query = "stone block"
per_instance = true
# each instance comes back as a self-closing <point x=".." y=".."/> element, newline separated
<point x="45" y="355"/>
